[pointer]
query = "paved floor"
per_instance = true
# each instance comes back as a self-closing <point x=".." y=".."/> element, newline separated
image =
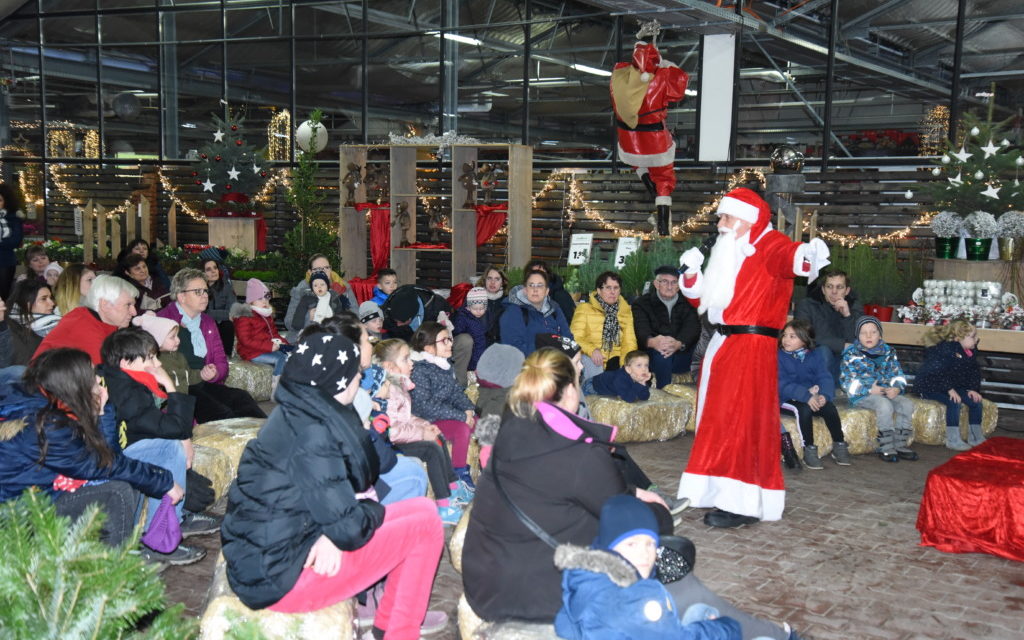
<point x="843" y="564"/>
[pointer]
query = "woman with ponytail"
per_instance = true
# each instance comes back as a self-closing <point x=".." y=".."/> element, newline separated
<point x="58" y="434"/>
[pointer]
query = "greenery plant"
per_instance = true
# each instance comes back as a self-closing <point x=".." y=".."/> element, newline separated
<point x="303" y="193"/>
<point x="58" y="581"/>
<point x="599" y="262"/>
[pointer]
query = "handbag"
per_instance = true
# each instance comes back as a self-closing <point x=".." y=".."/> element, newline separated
<point x="199" y="492"/>
<point x="164" y="534"/>
<point x="676" y="558"/>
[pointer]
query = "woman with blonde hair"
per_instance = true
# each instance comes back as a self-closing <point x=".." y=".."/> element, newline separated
<point x="72" y="285"/>
<point x="950" y="374"/>
<point x="558" y="470"/>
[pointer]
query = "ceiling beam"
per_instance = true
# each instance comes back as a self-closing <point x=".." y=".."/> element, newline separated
<point x="866" y="17"/>
<point x="945" y="22"/>
<point x="795" y="13"/>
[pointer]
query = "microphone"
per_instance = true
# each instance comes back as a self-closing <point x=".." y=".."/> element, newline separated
<point x="708" y="242"/>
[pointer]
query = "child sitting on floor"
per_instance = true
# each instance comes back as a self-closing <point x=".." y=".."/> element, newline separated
<point x="608" y="590"/>
<point x="628" y="383"/>
<point x="256" y="336"/>
<point x="950" y="374"/>
<point x="806" y="389"/>
<point x="417" y="437"/>
<point x="871" y="375"/>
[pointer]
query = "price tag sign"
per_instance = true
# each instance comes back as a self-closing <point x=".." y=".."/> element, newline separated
<point x="623" y="248"/>
<point x="78" y="221"/>
<point x="579" y="248"/>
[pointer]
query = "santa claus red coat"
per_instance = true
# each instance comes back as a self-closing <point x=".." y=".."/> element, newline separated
<point x="734" y="463"/>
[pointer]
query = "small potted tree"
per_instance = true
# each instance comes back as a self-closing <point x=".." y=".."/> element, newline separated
<point x="1011" y="235"/>
<point x="981" y="227"/>
<point x="946" y="226"/>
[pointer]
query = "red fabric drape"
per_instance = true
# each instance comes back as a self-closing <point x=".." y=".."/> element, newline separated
<point x="489" y="218"/>
<point x="974" y="503"/>
<point x="362" y="288"/>
<point x="458" y="294"/>
<point x="380" y="234"/>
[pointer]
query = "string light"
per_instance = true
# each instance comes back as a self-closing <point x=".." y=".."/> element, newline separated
<point x="934" y="128"/>
<point x="79" y="201"/>
<point x="279" y="135"/>
<point x="849" y="241"/>
<point x="173" y="195"/>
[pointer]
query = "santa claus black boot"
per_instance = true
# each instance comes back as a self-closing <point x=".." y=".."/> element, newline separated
<point x="664" y="220"/>
<point x="649" y="183"/>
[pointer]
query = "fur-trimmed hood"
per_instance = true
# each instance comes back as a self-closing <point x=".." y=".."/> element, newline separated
<point x="240" y="310"/>
<point x="617" y="568"/>
<point x="486" y="430"/>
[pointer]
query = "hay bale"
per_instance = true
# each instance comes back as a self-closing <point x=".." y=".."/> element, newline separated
<point x="689" y="393"/>
<point x="934" y="432"/>
<point x="219" y="446"/>
<point x="459" y="538"/>
<point x="253" y="377"/>
<point x="662" y="417"/>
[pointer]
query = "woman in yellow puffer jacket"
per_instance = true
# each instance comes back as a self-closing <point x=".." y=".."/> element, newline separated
<point x="603" y="326"/>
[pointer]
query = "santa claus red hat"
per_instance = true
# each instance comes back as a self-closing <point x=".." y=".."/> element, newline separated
<point x="646" y="58"/>
<point x="747" y="205"/>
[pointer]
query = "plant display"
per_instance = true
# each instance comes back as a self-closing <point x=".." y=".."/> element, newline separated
<point x="981" y="224"/>
<point x="1011" y="225"/>
<point x="303" y="193"/>
<point x="56" y="250"/>
<point x="58" y="580"/>
<point x="947" y="224"/>
<point x="599" y="262"/>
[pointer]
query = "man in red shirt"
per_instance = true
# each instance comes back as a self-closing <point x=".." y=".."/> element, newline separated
<point x="109" y="306"/>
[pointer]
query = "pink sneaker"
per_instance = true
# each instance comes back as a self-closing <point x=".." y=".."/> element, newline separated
<point x="365" y="613"/>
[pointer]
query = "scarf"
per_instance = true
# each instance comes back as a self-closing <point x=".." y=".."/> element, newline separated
<point x="262" y="311"/>
<point x="323" y="307"/>
<point x="611" y="333"/>
<point x="147" y="380"/>
<point x="443" y="363"/>
<point x="799" y="354"/>
<point x="195" y="330"/>
<point x="497" y="295"/>
<point x="875" y="351"/>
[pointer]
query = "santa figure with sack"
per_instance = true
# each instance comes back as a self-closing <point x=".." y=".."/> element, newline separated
<point x="641" y="91"/>
<point x="745" y="290"/>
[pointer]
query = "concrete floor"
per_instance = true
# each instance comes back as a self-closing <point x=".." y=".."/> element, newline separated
<point x="844" y="563"/>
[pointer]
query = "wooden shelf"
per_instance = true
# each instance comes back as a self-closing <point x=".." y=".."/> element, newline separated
<point x="997" y="340"/>
<point x="448" y="250"/>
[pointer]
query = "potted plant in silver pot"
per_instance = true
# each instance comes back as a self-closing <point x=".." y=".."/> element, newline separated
<point x="1011" y="235"/>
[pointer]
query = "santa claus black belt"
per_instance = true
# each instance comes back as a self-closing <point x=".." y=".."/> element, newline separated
<point x="654" y="126"/>
<point x="741" y="329"/>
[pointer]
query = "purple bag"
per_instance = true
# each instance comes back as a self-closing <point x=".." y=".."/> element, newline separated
<point x="164" y="534"/>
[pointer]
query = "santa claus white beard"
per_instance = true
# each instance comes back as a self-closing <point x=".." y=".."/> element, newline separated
<point x="720" y="276"/>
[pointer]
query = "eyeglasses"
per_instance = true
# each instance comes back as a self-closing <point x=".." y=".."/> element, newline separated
<point x="320" y="269"/>
<point x="202" y="293"/>
<point x="666" y="281"/>
<point x="537" y="285"/>
<point x="610" y="287"/>
<point x="445" y="340"/>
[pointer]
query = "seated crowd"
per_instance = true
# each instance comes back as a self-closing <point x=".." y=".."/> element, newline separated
<point x="112" y="372"/>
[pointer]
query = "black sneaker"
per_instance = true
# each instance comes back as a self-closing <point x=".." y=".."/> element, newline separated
<point x="183" y="555"/>
<point x="198" y="524"/>
<point x="727" y="520"/>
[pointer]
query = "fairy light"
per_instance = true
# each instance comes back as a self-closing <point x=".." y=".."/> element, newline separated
<point x="850" y="241"/>
<point x="91" y="144"/>
<point x="934" y="128"/>
<point x="172" y="193"/>
<point x="279" y="135"/>
<point x="79" y="201"/>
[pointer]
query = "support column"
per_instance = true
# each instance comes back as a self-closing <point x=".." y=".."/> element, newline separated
<point x="718" y="62"/>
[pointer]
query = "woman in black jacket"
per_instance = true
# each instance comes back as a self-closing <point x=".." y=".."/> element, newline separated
<point x="302" y="530"/>
<point x="57" y="432"/>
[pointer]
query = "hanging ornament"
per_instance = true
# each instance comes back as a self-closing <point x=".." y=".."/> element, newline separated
<point x="936" y="172"/>
<point x="1019" y="161"/>
<point x="217" y="158"/>
<point x="208" y="186"/>
<point x="992" y="192"/>
<point x="203" y="156"/>
<point x="263" y="174"/>
<point x="962" y="155"/>
<point x="195" y="173"/>
<point x="227" y="187"/>
<point x="946" y="160"/>
<point x="234" y="127"/>
<point x="238" y="142"/>
<point x="199" y="181"/>
<point x="990" y="150"/>
<point x="1004" y="143"/>
<point x="979" y="174"/>
<point x="975" y="131"/>
<point x="306" y="131"/>
<point x="909" y="195"/>
<point x="233" y="174"/>
<point x="218" y="136"/>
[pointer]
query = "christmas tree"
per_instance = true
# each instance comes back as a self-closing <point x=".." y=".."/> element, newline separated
<point x="230" y="171"/>
<point x="981" y="172"/>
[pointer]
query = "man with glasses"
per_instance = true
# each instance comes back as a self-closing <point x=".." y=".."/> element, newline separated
<point x="666" y="325"/>
<point x="203" y="349"/>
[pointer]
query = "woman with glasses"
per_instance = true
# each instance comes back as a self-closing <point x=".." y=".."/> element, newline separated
<point x="529" y="311"/>
<point x="202" y="348"/>
<point x="437" y="396"/>
<point x="603" y="326"/>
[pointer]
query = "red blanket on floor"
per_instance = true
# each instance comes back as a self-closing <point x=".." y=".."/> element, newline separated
<point x="975" y="502"/>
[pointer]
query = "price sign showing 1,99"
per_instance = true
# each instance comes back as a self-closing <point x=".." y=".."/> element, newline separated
<point x="579" y="248"/>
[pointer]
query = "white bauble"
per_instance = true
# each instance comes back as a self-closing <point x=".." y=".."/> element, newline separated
<point x="979" y="174"/>
<point x="975" y="131"/>
<point x="305" y="132"/>
<point x="936" y="171"/>
<point x="946" y="160"/>
<point x="1019" y="161"/>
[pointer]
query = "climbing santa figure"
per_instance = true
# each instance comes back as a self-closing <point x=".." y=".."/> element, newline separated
<point x="641" y="91"/>
<point x="745" y="290"/>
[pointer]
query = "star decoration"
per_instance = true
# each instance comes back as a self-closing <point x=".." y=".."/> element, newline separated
<point x="343" y="357"/>
<point x="342" y="383"/>
<point x="21" y="140"/>
<point x="302" y="348"/>
<point x="318" y="359"/>
<point x="962" y="155"/>
<point x="958" y="180"/>
<point x="312" y="383"/>
<point x="992" y="192"/>
<point x="355" y="348"/>
<point x="208" y="186"/>
<point x="256" y="168"/>
<point x="233" y="174"/>
<point x="990" y="150"/>
<point x="328" y="339"/>
<point x="218" y="136"/>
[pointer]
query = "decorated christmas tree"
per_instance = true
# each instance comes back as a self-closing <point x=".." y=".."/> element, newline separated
<point x="981" y="172"/>
<point x="230" y="171"/>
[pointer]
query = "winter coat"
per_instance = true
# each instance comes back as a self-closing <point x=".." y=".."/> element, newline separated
<point x="378" y="296"/>
<point x="24" y="342"/>
<point x="561" y="297"/>
<point x="221" y="298"/>
<point x="152" y="298"/>
<point x="830" y="328"/>
<point x="338" y="285"/>
<point x="796" y="377"/>
<point x="619" y="383"/>
<point x="947" y="366"/>
<point x="604" y="598"/>
<point x="551" y="472"/>
<point x="65" y="454"/>
<point x="466" y="322"/>
<point x="5" y="344"/>
<point x="859" y="370"/>
<point x="405" y="427"/>
<point x="254" y="334"/>
<point x="437" y="394"/>
<point x="139" y="417"/>
<point x="214" y="347"/>
<point x="81" y="329"/>
<point x="520" y="329"/>
<point x="589" y="321"/>
<point x="491" y="400"/>
<point x="300" y="313"/>
<point x="296" y="481"/>
<point x="11" y="235"/>
<point x="651" y="319"/>
<point x="176" y="366"/>
<point x="430" y="305"/>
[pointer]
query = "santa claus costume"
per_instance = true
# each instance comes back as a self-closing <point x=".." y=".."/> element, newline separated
<point x="641" y="91"/>
<point x="734" y="464"/>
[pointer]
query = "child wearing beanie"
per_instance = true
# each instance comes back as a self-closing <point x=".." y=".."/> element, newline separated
<point x="609" y="591"/>
<point x="372" y="318"/>
<point x="871" y="375"/>
<point x="256" y="335"/>
<point x="471" y="321"/>
<point x="165" y="332"/>
<point x="320" y="303"/>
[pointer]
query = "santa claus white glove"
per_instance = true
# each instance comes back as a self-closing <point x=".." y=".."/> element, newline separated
<point x="816" y="254"/>
<point x="664" y="64"/>
<point x="692" y="259"/>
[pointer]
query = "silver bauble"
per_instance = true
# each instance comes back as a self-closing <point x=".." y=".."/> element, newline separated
<point x="786" y="159"/>
<point x="936" y="171"/>
<point x="946" y="160"/>
<point x="979" y="174"/>
<point x="975" y="131"/>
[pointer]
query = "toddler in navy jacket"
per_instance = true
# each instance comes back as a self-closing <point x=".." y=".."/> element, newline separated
<point x="950" y="374"/>
<point x="628" y="383"/>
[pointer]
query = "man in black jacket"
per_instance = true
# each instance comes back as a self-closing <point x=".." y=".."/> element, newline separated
<point x="831" y="307"/>
<point x="667" y="325"/>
